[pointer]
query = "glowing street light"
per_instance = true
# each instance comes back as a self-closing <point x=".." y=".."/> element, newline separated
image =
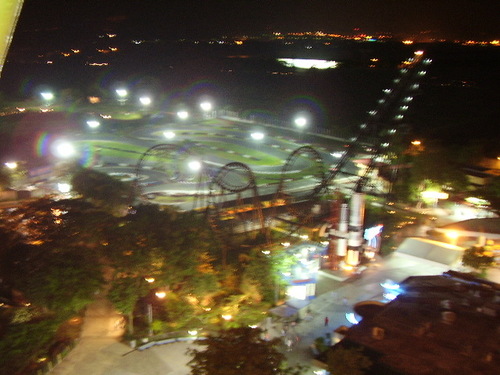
<point x="11" y="164"/>
<point x="194" y="165"/>
<point x="206" y="106"/>
<point x="169" y="134"/>
<point x="183" y="115"/>
<point x="63" y="187"/>
<point x="161" y="294"/>
<point x="145" y="100"/>
<point x="47" y="96"/>
<point x="122" y="95"/>
<point x="453" y="236"/>
<point x="93" y="124"/>
<point x="301" y="122"/>
<point x="64" y="149"/>
<point x="258" y="136"/>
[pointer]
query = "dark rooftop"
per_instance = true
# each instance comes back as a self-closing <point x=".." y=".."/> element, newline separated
<point x="445" y="324"/>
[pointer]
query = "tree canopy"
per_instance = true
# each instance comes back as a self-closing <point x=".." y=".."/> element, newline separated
<point x="240" y="351"/>
<point x="103" y="190"/>
<point x="348" y="361"/>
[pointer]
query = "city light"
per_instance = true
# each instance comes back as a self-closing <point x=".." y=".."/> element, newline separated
<point x="309" y="63"/>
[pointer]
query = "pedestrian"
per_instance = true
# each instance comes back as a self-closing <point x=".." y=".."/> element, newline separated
<point x="326" y="321"/>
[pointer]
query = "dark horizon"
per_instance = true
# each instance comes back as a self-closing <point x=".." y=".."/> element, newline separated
<point x="461" y="19"/>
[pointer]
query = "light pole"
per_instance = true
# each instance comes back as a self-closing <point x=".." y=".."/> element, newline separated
<point x="160" y="294"/>
<point x="258" y="138"/>
<point x="169" y="134"/>
<point x="93" y="124"/>
<point x="63" y="149"/>
<point x="206" y="107"/>
<point x="301" y="123"/>
<point x="145" y="102"/>
<point x="182" y="114"/>
<point x="47" y="98"/>
<point x="122" y="95"/>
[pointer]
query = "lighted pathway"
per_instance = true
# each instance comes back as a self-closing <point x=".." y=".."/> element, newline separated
<point x="99" y="351"/>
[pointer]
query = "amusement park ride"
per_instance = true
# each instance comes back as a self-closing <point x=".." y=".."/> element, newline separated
<point x="230" y="196"/>
<point x="233" y="188"/>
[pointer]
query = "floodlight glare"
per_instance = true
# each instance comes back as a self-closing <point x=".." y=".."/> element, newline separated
<point x="121" y="93"/>
<point x="64" y="149"/>
<point x="169" y="134"/>
<point x="145" y="100"/>
<point x="258" y="136"/>
<point x="183" y="115"/>
<point x="206" y="106"/>
<point x="93" y="124"/>
<point x="47" y="96"/>
<point x="194" y="165"/>
<point x="301" y="122"/>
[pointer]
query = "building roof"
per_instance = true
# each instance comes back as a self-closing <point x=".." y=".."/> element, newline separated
<point x="481" y="226"/>
<point x="443" y="324"/>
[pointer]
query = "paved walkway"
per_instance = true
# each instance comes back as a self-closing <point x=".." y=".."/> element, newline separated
<point x="99" y="351"/>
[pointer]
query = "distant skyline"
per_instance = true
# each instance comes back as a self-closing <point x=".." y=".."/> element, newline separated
<point x="451" y="19"/>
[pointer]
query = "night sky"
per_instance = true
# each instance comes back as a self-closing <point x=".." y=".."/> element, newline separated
<point x="204" y="18"/>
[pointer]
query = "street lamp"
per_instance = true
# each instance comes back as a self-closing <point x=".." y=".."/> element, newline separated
<point x="93" y="124"/>
<point x="47" y="96"/>
<point x="300" y="122"/>
<point x="11" y="164"/>
<point x="194" y="165"/>
<point x="122" y="95"/>
<point x="182" y="114"/>
<point x="63" y="149"/>
<point x="258" y="136"/>
<point x="63" y="187"/>
<point x="206" y="107"/>
<point x="169" y="134"/>
<point x="145" y="100"/>
<point x="160" y="294"/>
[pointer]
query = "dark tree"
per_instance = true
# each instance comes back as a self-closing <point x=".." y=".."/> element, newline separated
<point x="239" y="351"/>
<point x="478" y="258"/>
<point x="103" y="190"/>
<point x="56" y="279"/>
<point x="348" y="361"/>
